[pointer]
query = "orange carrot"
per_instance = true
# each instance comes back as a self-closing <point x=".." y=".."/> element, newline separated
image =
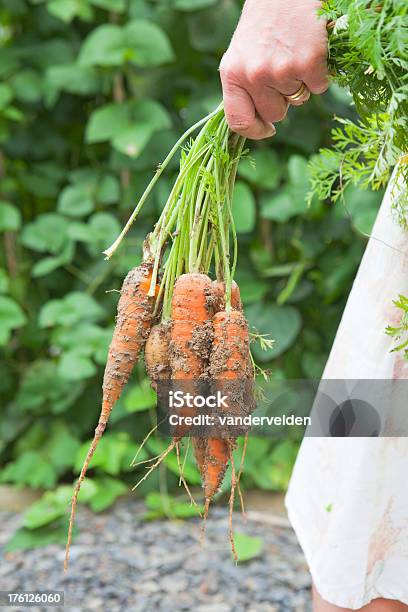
<point x="230" y="350"/>
<point x="200" y="449"/>
<point x="156" y="353"/>
<point x="191" y="326"/>
<point x="219" y="296"/>
<point x="191" y="336"/>
<point x="231" y="371"/>
<point x="216" y="303"/>
<point x="215" y="466"/>
<point x="212" y="454"/>
<point x="133" y="323"/>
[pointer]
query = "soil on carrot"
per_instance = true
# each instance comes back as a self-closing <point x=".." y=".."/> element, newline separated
<point x="201" y="343"/>
<point x="131" y="330"/>
<point x="157" y="359"/>
<point x="218" y="296"/>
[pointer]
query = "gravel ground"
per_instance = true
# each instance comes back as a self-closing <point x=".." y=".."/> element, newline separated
<point x="121" y="563"/>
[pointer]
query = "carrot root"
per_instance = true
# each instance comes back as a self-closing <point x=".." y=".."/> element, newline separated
<point x="182" y="479"/>
<point x="231" y="504"/>
<point x="162" y="456"/>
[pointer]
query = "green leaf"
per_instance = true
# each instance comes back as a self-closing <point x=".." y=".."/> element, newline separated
<point x="147" y="44"/>
<point x="116" y="6"/>
<point x="282" y="323"/>
<point x="108" y="191"/>
<point x="281" y="206"/>
<point x="109" y="489"/>
<point x="6" y="95"/>
<point x="247" y="547"/>
<point x="75" y="307"/>
<point x="244" y="208"/>
<point x="49" y="232"/>
<point x="87" y="338"/>
<point x="74" y="78"/>
<point x="113" y="454"/>
<point x="193" y="5"/>
<point x="140" y="397"/>
<point x="10" y="217"/>
<point x="75" y="366"/>
<point x="45" y="511"/>
<point x="79" y="231"/>
<point x="157" y="446"/>
<point x="103" y="46"/>
<point x="53" y="505"/>
<point x="190" y="471"/>
<point x="61" y="446"/>
<point x="133" y="140"/>
<point x="210" y="30"/>
<point x="41" y="386"/>
<point x="49" y="264"/>
<point x="25" y="539"/>
<point x="262" y="168"/>
<point x="361" y="206"/>
<point x="281" y="461"/>
<point x="140" y="42"/>
<point x="11" y="317"/>
<point x="75" y="201"/>
<point x="251" y="287"/>
<point x="103" y="229"/>
<point x="299" y="177"/>
<point x="106" y="121"/>
<point x="32" y="469"/>
<point x="66" y="10"/>
<point x="129" y="125"/>
<point x="27" y="86"/>
<point x="161" y="505"/>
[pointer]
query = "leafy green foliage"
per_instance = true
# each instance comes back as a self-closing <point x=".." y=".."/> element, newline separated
<point x="400" y="332"/>
<point x="165" y="506"/>
<point x="139" y="42"/>
<point x="92" y="96"/>
<point x="368" y="56"/>
<point x="247" y="547"/>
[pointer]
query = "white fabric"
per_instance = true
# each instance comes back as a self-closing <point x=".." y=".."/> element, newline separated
<point x="348" y="497"/>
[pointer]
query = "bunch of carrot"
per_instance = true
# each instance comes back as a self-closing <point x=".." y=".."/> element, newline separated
<point x="192" y="329"/>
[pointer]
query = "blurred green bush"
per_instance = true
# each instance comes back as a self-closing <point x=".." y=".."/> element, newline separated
<point x="92" y="95"/>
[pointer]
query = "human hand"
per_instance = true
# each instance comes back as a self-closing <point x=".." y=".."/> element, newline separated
<point x="277" y="46"/>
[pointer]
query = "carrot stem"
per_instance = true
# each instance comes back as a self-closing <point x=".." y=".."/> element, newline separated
<point x="111" y="250"/>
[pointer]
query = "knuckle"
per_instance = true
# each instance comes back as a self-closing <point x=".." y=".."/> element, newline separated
<point x="225" y="72"/>
<point x="258" y="73"/>
<point x="310" y="60"/>
<point x="282" y="70"/>
<point x="228" y="70"/>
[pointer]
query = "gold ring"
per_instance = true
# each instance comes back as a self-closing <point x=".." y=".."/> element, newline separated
<point x="298" y="95"/>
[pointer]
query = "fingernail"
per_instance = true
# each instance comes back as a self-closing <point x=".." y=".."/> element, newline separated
<point x="273" y="128"/>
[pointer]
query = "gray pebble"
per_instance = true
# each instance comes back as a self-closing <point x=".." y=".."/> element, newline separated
<point x="119" y="562"/>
